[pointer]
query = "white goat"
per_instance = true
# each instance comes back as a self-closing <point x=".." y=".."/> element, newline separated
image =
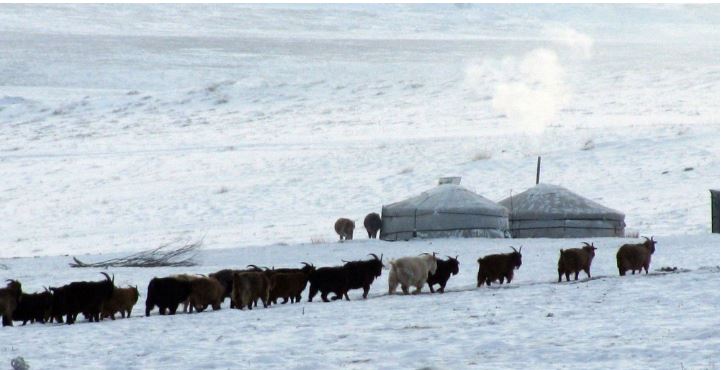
<point x="411" y="271"/>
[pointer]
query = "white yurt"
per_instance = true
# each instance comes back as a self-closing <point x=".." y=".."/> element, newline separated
<point x="552" y="211"/>
<point x="448" y="210"/>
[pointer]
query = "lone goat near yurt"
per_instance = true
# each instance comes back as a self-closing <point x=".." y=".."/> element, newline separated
<point x="498" y="266"/>
<point x="344" y="228"/>
<point x="373" y="224"/>
<point x="635" y="257"/>
<point x="574" y="260"/>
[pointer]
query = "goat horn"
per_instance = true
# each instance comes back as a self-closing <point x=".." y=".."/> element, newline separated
<point x="254" y="266"/>
<point x="381" y="257"/>
<point x="520" y="249"/>
<point x="645" y="238"/>
<point x="106" y="276"/>
<point x="344" y="261"/>
<point x="514" y="249"/>
<point x="586" y="243"/>
<point x="374" y="255"/>
<point x="306" y="263"/>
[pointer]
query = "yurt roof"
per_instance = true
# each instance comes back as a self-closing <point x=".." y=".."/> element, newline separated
<point x="545" y="201"/>
<point x="446" y="198"/>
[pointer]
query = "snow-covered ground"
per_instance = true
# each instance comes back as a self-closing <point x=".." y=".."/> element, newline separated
<point x="663" y="320"/>
<point x="125" y="126"/>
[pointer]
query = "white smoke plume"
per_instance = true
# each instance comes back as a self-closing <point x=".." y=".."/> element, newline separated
<point x="537" y="93"/>
<point x="579" y="43"/>
<point x="531" y="90"/>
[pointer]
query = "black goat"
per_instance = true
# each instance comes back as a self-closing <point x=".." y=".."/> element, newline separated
<point x="34" y="307"/>
<point x="9" y="299"/>
<point x="85" y="297"/>
<point x="329" y="279"/>
<point x="498" y="266"/>
<point x="57" y="308"/>
<point x="166" y="293"/>
<point x="444" y="270"/>
<point x="362" y="273"/>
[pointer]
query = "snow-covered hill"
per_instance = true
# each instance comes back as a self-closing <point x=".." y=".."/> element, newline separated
<point x="126" y="126"/>
<point x="119" y="137"/>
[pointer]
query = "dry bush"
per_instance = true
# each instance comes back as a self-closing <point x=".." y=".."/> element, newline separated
<point x="169" y="254"/>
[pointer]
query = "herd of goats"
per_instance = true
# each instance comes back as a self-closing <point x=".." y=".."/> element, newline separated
<point x="97" y="300"/>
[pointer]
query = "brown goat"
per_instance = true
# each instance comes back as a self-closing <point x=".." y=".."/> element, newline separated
<point x="287" y="285"/>
<point x="188" y="278"/>
<point x="498" y="266"/>
<point x="122" y="300"/>
<point x="9" y="299"/>
<point x="344" y="227"/>
<point x="574" y="260"/>
<point x="635" y="256"/>
<point x="205" y="292"/>
<point x="248" y="287"/>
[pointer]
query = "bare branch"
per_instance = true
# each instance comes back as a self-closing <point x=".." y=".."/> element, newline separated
<point x="167" y="254"/>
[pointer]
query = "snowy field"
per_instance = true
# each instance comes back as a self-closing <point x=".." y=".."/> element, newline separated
<point x="662" y="321"/>
<point x="123" y="127"/>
